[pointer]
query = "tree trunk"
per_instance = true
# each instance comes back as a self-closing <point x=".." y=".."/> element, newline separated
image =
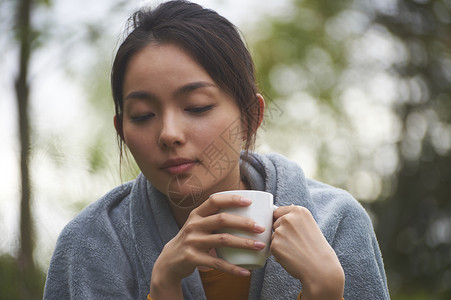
<point x="24" y="35"/>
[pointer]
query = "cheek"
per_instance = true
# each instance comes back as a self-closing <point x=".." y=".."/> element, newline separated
<point x="220" y="138"/>
<point x="137" y="142"/>
<point x="231" y="133"/>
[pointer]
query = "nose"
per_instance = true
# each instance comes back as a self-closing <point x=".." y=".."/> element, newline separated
<point x="171" y="133"/>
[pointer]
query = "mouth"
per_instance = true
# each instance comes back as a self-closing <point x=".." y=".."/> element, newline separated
<point x="178" y="165"/>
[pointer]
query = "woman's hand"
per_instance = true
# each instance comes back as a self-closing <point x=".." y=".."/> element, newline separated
<point x="191" y="247"/>
<point x="300" y="247"/>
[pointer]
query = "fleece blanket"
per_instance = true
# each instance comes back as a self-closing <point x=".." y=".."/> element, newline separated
<point x="109" y="249"/>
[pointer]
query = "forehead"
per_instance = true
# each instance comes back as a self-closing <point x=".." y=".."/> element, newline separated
<point x="164" y="60"/>
<point x="165" y="55"/>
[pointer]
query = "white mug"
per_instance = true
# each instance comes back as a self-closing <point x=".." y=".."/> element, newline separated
<point x="261" y="211"/>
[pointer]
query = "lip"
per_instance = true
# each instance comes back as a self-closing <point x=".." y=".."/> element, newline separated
<point x="177" y="166"/>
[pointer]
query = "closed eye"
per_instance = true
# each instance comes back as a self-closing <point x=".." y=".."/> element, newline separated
<point x="138" y="119"/>
<point x="199" y="109"/>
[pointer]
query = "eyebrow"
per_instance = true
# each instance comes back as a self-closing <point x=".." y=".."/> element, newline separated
<point x="188" y="88"/>
<point x="185" y="89"/>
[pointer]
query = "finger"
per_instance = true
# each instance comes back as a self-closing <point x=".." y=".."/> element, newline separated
<point x="215" y="202"/>
<point x="293" y="214"/>
<point x="229" y="220"/>
<point x="279" y="221"/>
<point x="283" y="214"/>
<point x="218" y="240"/>
<point x="222" y="265"/>
<point x="282" y="210"/>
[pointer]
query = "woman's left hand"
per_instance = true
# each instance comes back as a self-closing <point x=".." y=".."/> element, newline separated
<point x="300" y="247"/>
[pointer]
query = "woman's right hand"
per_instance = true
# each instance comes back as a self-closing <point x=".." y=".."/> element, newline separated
<point x="191" y="247"/>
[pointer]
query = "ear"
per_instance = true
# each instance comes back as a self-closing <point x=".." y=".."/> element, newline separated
<point x="261" y="110"/>
<point x="118" y="126"/>
<point x="260" y="114"/>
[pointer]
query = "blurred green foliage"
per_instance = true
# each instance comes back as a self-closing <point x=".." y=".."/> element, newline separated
<point x="415" y="221"/>
<point x="412" y="213"/>
<point x="15" y="284"/>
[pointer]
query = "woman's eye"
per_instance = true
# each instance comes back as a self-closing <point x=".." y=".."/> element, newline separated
<point x="141" y="118"/>
<point x="199" y="109"/>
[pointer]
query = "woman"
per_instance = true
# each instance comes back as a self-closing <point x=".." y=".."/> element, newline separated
<point x="187" y="108"/>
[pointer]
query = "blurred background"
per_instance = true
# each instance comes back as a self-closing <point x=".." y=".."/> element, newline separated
<point x="358" y="94"/>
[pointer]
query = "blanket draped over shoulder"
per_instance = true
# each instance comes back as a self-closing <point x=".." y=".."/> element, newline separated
<point x="109" y="249"/>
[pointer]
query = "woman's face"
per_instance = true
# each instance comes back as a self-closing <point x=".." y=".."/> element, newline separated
<point x="184" y="132"/>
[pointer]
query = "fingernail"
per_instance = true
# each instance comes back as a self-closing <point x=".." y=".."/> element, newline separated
<point x="245" y="200"/>
<point x="245" y="273"/>
<point x="259" y="228"/>
<point x="259" y="245"/>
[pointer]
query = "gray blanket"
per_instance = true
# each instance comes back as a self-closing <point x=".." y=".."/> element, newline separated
<point x="109" y="249"/>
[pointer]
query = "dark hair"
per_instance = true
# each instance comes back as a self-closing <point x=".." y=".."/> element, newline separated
<point x="211" y="40"/>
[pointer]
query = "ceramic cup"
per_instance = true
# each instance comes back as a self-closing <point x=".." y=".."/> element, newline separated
<point x="261" y="211"/>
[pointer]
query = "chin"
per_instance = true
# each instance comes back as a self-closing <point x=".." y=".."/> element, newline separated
<point x="185" y="191"/>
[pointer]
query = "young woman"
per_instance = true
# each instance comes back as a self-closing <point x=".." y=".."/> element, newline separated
<point x="187" y="108"/>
